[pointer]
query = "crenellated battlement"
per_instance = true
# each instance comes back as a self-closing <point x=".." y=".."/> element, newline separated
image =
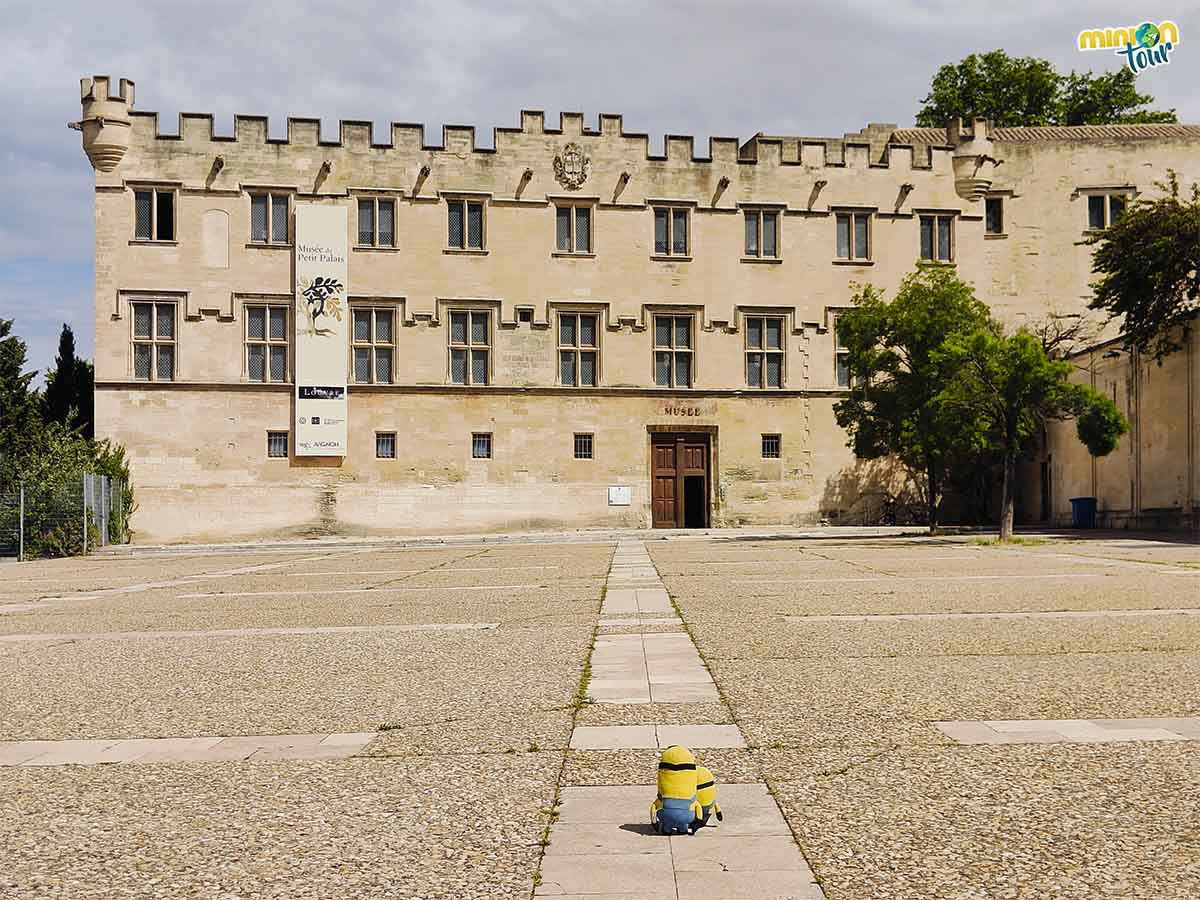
<point x="853" y="150"/>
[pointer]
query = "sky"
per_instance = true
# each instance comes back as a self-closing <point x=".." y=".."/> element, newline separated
<point x="700" y="68"/>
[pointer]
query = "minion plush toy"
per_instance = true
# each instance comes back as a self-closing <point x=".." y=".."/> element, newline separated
<point x="676" y="810"/>
<point x="706" y="795"/>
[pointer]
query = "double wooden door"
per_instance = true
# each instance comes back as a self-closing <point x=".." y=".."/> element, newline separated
<point x="680" y="481"/>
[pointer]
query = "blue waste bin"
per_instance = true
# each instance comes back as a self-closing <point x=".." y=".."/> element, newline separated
<point x="1083" y="512"/>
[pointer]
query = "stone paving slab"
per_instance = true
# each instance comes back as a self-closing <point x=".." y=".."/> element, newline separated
<point x="603" y="846"/>
<point x="191" y="749"/>
<point x="656" y="667"/>
<point x="1048" y="731"/>
<point x="240" y="632"/>
<point x="1033" y="614"/>
<point x="632" y="737"/>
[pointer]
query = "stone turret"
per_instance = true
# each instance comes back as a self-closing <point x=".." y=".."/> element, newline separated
<point x="105" y="123"/>
<point x="974" y="158"/>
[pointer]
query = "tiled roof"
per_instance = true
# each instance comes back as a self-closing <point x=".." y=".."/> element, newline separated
<point x="1026" y="134"/>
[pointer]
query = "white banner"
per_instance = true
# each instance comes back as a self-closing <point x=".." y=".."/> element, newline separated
<point x="322" y="330"/>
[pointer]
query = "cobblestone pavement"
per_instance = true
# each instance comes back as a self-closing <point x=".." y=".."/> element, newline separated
<point x="464" y="658"/>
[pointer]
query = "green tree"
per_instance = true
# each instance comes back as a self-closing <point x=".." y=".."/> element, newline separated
<point x="1148" y="268"/>
<point x="69" y="387"/>
<point x="1108" y="98"/>
<point x="20" y="407"/>
<point x="1026" y="90"/>
<point x="1005" y="389"/>
<point x="899" y="369"/>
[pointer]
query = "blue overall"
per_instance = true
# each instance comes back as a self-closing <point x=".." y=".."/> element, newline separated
<point x="675" y="817"/>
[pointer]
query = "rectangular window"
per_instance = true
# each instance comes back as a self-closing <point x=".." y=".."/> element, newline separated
<point x="853" y="235"/>
<point x="764" y="351"/>
<point x="671" y="231"/>
<point x="376" y="222"/>
<point x="373" y="345"/>
<point x="153" y="341"/>
<point x="267" y="343"/>
<point x="481" y="446"/>
<point x="465" y="220"/>
<point x="673" y="352"/>
<point x="277" y="444"/>
<point x="1104" y="209"/>
<point x="937" y="238"/>
<point x="993" y="214"/>
<point x="470" y="343"/>
<point x="583" y="446"/>
<point x="841" y="359"/>
<point x="770" y="446"/>
<point x="269" y="218"/>
<point x="385" y="445"/>
<point x="573" y="229"/>
<point x="578" y="349"/>
<point x="762" y="233"/>
<point x="154" y="214"/>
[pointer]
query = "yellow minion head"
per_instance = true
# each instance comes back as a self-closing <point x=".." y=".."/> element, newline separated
<point x="677" y="774"/>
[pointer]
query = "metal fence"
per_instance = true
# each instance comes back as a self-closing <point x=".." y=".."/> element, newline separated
<point x="63" y="518"/>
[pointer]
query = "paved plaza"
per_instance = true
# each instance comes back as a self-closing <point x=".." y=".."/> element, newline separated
<point x="886" y="716"/>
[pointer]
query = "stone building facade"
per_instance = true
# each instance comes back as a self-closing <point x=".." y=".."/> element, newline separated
<point x="561" y="330"/>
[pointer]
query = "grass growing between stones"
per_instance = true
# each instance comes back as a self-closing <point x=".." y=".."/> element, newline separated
<point x="1011" y="542"/>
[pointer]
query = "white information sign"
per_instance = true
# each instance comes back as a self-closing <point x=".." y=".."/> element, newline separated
<point x="620" y="495"/>
<point x="322" y="330"/>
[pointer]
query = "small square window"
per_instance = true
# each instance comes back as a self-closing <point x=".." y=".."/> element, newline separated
<point x="770" y="446"/>
<point x="154" y="214"/>
<point x="1105" y="208"/>
<point x="573" y="229"/>
<point x="671" y="231"/>
<point x="277" y="444"/>
<point x="385" y="445"/>
<point x="481" y="446"/>
<point x="583" y="446"/>
<point x="762" y="233"/>
<point x="937" y="238"/>
<point x="525" y="316"/>
<point x="853" y="235"/>
<point x="465" y="228"/>
<point x="993" y="215"/>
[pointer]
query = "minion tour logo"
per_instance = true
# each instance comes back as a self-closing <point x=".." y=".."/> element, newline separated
<point x="1143" y="46"/>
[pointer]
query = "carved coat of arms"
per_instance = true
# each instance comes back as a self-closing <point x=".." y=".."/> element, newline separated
<point x="571" y="167"/>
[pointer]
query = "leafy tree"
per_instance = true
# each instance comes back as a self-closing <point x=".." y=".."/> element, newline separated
<point x="1108" y="98"/>
<point x="1029" y="91"/>
<point x="899" y="370"/>
<point x="1148" y="268"/>
<point x="69" y="387"/>
<point x="1005" y="390"/>
<point x="20" y="407"/>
